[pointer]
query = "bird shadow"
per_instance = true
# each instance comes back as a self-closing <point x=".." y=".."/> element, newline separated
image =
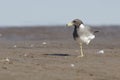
<point x="57" y="54"/>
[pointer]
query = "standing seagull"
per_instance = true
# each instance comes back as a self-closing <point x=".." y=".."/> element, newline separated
<point x="81" y="34"/>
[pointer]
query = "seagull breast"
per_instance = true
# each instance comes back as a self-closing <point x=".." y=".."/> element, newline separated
<point x="85" y="34"/>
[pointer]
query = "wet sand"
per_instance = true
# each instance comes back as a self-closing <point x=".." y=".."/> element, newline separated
<point x="49" y="53"/>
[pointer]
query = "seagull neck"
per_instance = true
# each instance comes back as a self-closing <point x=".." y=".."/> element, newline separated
<point x="75" y="33"/>
<point x="76" y="27"/>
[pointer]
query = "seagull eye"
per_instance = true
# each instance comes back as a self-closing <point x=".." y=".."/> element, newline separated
<point x="74" y="21"/>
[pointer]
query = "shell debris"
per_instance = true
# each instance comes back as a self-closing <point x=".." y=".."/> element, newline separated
<point x="5" y="60"/>
<point x="1" y="35"/>
<point x="15" y="46"/>
<point x="25" y="55"/>
<point x="101" y="52"/>
<point x="44" y="43"/>
<point x="72" y="65"/>
<point x="32" y="45"/>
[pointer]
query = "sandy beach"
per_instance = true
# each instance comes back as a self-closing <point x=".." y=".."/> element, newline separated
<point x="49" y="53"/>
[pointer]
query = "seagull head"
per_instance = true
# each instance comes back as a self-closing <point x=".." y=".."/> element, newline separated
<point x="75" y="22"/>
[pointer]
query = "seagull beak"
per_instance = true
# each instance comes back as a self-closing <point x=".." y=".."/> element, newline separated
<point x="69" y="24"/>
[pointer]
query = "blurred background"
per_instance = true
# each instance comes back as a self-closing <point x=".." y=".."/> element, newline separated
<point x="58" y="12"/>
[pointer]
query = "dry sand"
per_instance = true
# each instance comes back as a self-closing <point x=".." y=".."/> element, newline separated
<point x="44" y="53"/>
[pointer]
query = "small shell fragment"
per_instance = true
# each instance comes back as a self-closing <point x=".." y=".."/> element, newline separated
<point x="72" y="65"/>
<point x="44" y="43"/>
<point x="100" y="52"/>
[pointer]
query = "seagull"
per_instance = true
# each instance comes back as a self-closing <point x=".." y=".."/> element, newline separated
<point x="81" y="34"/>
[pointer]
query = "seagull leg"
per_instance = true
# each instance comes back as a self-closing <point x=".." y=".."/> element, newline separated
<point x="81" y="51"/>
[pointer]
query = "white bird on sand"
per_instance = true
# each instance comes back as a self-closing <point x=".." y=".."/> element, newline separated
<point x="81" y="33"/>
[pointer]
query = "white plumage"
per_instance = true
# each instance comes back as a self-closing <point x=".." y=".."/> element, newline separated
<point x="84" y="34"/>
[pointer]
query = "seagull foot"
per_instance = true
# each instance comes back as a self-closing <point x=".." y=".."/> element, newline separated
<point x="80" y="56"/>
